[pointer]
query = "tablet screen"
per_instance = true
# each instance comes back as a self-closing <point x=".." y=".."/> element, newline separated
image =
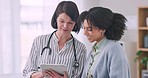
<point x="56" y="67"/>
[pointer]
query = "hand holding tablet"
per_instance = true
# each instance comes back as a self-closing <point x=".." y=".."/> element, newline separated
<point x="56" y="67"/>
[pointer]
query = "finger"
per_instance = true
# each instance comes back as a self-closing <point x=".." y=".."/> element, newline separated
<point x="46" y="73"/>
<point x="65" y="74"/>
<point x="50" y="73"/>
<point x="43" y="73"/>
<point x="55" y="74"/>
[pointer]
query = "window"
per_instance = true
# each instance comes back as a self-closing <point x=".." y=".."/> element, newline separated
<point x="31" y="25"/>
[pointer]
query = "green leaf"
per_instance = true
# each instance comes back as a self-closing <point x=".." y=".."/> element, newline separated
<point x="144" y="60"/>
<point x="139" y="52"/>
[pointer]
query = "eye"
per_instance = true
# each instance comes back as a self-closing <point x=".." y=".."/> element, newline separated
<point x="61" y="21"/>
<point x="89" y="28"/>
<point x="71" y="22"/>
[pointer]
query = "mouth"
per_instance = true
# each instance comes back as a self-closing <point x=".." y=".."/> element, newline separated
<point x="88" y="37"/>
<point x="65" y="30"/>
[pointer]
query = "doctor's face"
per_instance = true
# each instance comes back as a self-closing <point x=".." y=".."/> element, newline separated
<point x="64" y="23"/>
<point x="92" y="33"/>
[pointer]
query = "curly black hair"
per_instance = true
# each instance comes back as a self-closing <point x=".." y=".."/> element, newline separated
<point x="104" y="18"/>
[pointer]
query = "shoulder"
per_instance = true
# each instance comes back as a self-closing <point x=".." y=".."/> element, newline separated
<point x="79" y="43"/>
<point x="80" y="46"/>
<point x="113" y="45"/>
<point x="114" y="51"/>
<point x="114" y="48"/>
<point x="40" y="37"/>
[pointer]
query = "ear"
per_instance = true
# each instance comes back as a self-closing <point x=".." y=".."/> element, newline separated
<point x="103" y="31"/>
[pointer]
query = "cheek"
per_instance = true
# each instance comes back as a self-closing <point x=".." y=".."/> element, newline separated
<point x="96" y="35"/>
<point x="88" y="33"/>
<point x="59" y="25"/>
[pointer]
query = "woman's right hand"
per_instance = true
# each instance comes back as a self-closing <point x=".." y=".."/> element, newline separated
<point x="37" y="75"/>
<point x="65" y="74"/>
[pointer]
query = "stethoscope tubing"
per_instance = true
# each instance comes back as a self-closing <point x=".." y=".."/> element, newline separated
<point x="76" y="64"/>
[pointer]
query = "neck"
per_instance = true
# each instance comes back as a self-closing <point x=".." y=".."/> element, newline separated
<point x="63" y="38"/>
<point x="100" y="39"/>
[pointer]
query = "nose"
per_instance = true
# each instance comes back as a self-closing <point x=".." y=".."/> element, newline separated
<point x="65" y="25"/>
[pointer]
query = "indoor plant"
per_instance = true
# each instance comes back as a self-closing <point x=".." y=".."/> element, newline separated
<point x="143" y="60"/>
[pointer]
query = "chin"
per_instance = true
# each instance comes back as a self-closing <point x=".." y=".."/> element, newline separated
<point x="90" y="41"/>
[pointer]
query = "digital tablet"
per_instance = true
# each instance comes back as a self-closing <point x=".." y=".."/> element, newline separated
<point x="59" y="68"/>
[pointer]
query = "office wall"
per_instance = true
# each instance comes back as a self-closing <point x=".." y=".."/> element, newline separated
<point x="129" y="8"/>
<point x="9" y="36"/>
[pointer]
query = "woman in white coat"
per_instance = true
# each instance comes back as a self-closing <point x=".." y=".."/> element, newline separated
<point x="59" y="47"/>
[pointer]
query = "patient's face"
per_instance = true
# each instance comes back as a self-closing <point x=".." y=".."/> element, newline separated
<point x="92" y="32"/>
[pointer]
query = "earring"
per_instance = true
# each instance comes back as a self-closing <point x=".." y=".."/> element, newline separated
<point x="103" y="32"/>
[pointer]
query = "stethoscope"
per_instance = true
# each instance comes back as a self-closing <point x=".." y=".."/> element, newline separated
<point x="76" y="63"/>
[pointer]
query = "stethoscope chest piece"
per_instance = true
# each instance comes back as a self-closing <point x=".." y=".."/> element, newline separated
<point x="76" y="64"/>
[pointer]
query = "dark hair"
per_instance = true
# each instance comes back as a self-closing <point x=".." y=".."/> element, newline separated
<point x="70" y="8"/>
<point x="103" y="18"/>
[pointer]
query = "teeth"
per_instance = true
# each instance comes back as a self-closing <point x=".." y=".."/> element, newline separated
<point x="88" y="37"/>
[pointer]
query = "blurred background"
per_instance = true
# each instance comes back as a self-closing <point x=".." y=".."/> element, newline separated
<point x="23" y="20"/>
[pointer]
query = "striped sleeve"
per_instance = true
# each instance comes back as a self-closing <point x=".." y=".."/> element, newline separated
<point x="31" y="62"/>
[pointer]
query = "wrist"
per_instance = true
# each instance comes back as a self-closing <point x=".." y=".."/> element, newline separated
<point x="32" y="75"/>
<point x="36" y="74"/>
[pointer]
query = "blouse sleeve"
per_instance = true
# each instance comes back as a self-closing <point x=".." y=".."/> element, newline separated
<point x="31" y="65"/>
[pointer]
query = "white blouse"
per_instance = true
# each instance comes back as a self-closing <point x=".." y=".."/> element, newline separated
<point x="64" y="56"/>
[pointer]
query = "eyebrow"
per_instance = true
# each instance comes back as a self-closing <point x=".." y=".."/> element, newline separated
<point x="68" y="21"/>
